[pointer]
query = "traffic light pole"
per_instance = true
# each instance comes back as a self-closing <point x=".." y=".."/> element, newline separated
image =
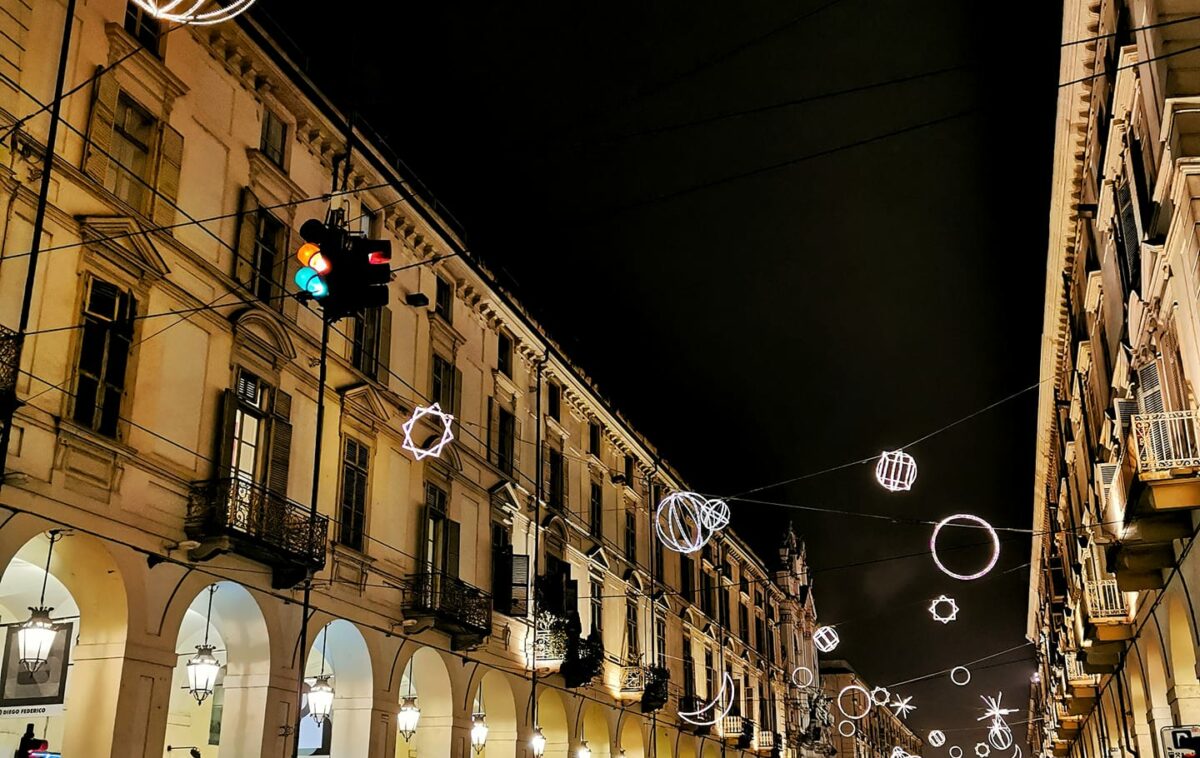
<point x="39" y="222"/>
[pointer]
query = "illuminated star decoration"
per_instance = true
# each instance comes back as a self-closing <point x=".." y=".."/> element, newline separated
<point x="982" y="750"/>
<point x="188" y="11"/>
<point x="880" y="696"/>
<point x="902" y="707"/>
<point x="434" y="450"/>
<point x="993" y="710"/>
<point x="936" y="606"/>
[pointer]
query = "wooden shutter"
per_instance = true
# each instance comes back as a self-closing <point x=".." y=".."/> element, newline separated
<point x="100" y="127"/>
<point x="383" y="360"/>
<point x="458" y="382"/>
<point x="1150" y="388"/>
<point x="223" y="465"/>
<point x="450" y="559"/>
<point x="169" y="157"/>
<point x="519" y="605"/>
<point x="493" y="430"/>
<point x="502" y="572"/>
<point x="516" y="448"/>
<point x="281" y="444"/>
<point x="1129" y="235"/>
<point x="566" y="483"/>
<point x="247" y="233"/>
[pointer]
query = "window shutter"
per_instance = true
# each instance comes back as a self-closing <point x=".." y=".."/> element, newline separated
<point x="545" y="473"/>
<point x="1130" y="239"/>
<point x="493" y="430"/>
<point x="281" y="445"/>
<point x="100" y="127"/>
<point x="571" y="593"/>
<point x="566" y="483"/>
<point x="502" y="573"/>
<point x="516" y="448"/>
<point x="247" y="231"/>
<point x="519" y="606"/>
<point x="452" y="533"/>
<point x="228" y="414"/>
<point x="1150" y="388"/>
<point x="170" y="160"/>
<point x="458" y="382"/>
<point x="383" y="362"/>
<point x="424" y="534"/>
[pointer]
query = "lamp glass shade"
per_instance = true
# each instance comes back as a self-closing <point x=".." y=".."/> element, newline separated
<point x="584" y="751"/>
<point x="479" y="732"/>
<point x="320" y="699"/>
<point x="407" y="720"/>
<point x="537" y="743"/>
<point x="202" y="671"/>
<point x="35" y="638"/>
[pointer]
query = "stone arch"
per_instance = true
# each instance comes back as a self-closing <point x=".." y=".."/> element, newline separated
<point x="1181" y="656"/>
<point x="262" y="335"/>
<point x="232" y="719"/>
<point x="662" y="743"/>
<point x="551" y="717"/>
<point x="630" y="737"/>
<point x="1154" y="677"/>
<point x="86" y="589"/>
<point x="1138" y="705"/>
<point x="594" y="727"/>
<point x="491" y="693"/>
<point x="426" y="677"/>
<point x="339" y="651"/>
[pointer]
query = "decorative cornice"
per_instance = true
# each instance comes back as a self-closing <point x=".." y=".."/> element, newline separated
<point x="143" y="67"/>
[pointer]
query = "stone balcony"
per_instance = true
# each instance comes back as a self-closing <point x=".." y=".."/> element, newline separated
<point x="1108" y="612"/>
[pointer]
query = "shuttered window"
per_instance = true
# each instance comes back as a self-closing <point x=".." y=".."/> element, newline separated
<point x="442" y="388"/>
<point x="504" y="354"/>
<point x="105" y="342"/>
<point x="353" y="510"/>
<point x="630" y="537"/>
<point x="689" y="668"/>
<point x="594" y="438"/>
<point x="597" y="605"/>
<point x="506" y="440"/>
<point x="129" y="168"/>
<point x="554" y="401"/>
<point x="273" y="140"/>
<point x="256" y="442"/>
<point x="441" y="552"/>
<point x="1130" y="239"/>
<point x="557" y="483"/>
<point x="444" y="300"/>
<point x="632" y="648"/>
<point x="143" y="27"/>
<point x="372" y="343"/>
<point x="596" y="509"/>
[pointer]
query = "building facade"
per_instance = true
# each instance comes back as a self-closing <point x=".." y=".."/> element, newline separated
<point x="164" y="492"/>
<point x="878" y="731"/>
<point x="1118" y="454"/>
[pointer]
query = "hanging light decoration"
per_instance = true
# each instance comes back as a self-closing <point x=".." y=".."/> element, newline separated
<point x="36" y="636"/>
<point x="537" y="743"/>
<point x="320" y="694"/>
<point x="584" y="751"/>
<point x="896" y="470"/>
<point x="203" y="667"/>
<point x="189" y="11"/>
<point x="410" y="714"/>
<point x="479" y="732"/>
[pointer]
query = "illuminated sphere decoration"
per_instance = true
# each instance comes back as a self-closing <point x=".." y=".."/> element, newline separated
<point x="896" y="471"/>
<point x="194" y="12"/>
<point x="982" y="525"/>
<point x="937" y="738"/>
<point x="826" y="639"/>
<point x="1000" y="736"/>
<point x="202" y="671"/>
<point x="685" y="521"/>
<point x="434" y="450"/>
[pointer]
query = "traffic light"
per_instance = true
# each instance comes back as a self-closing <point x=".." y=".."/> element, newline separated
<point x="344" y="274"/>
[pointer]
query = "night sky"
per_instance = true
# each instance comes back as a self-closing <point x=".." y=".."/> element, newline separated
<point x="762" y="323"/>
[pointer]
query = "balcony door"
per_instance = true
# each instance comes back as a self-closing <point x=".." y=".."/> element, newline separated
<point x="256" y="450"/>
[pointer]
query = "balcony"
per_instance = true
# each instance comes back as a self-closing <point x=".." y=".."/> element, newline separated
<point x="1108" y="611"/>
<point x="235" y="516"/>
<point x="633" y="679"/>
<point x="1168" y="457"/>
<point x="691" y="704"/>
<point x="450" y="605"/>
<point x="733" y="726"/>
<point x="648" y="682"/>
<point x="8" y="370"/>
<point x="765" y="740"/>
<point x="549" y="639"/>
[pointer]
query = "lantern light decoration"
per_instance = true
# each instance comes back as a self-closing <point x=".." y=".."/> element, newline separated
<point x="434" y="450"/>
<point x="320" y="694"/>
<point x="190" y="11"/>
<point x="685" y="521"/>
<point x="896" y="470"/>
<point x="479" y="732"/>
<point x="826" y="639"/>
<point x="203" y="667"/>
<point x="537" y="743"/>
<point x="37" y="635"/>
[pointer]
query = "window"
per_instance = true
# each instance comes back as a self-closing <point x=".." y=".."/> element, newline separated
<point x="630" y="536"/>
<point x="660" y="641"/>
<point x="269" y="240"/>
<point x="507" y="440"/>
<point x="710" y="673"/>
<point x="660" y="560"/>
<point x="440" y="551"/>
<point x="706" y="594"/>
<point x="629" y="471"/>
<point x="596" y="510"/>
<point x="760" y="635"/>
<point x="504" y="354"/>
<point x="218" y="708"/>
<point x="366" y="221"/>
<point x="686" y="578"/>
<point x="257" y="436"/>
<point x="771" y="643"/>
<point x="104" y="348"/>
<point x="744" y="623"/>
<point x="594" y="438"/>
<point x="143" y="27"/>
<point x="249" y="422"/>
<point x="597" y="605"/>
<point x="274" y="137"/>
<point x="442" y="389"/>
<point x="353" y="511"/>
<point x="557" y="481"/>
<point x="443" y="299"/>
<point x="554" y="402"/>
<point x="366" y="341"/>
<point x="723" y="607"/>
<point x="129" y="167"/>
<point x="744" y="583"/>
<point x="631" y="629"/>
<point x="689" y="668"/>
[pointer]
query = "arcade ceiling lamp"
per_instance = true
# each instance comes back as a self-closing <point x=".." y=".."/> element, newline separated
<point x="479" y="727"/>
<point x="37" y="635"/>
<point x="537" y="743"/>
<point x="410" y="714"/>
<point x="320" y="694"/>
<point x="203" y="667"/>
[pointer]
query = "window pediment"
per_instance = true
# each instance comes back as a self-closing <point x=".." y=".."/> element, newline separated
<point x="259" y="341"/>
<point x="367" y="401"/>
<point x="141" y="73"/>
<point x="125" y="242"/>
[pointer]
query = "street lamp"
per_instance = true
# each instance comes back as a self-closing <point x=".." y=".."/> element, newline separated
<point x="37" y="635"/>
<point x="537" y="743"/>
<point x="479" y="732"/>
<point x="320" y="699"/>
<point x="409" y="715"/>
<point x="203" y="667"/>
<point x="584" y="751"/>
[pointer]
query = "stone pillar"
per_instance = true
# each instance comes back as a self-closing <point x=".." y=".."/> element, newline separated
<point x="383" y="728"/>
<point x="1185" y="703"/>
<point x="352" y="726"/>
<point x="243" y="719"/>
<point x="1158" y="717"/>
<point x="126" y="692"/>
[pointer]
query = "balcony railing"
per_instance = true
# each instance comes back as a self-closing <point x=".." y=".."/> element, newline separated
<point x="549" y="639"/>
<point x="633" y="678"/>
<point x="1105" y="601"/>
<point x="257" y="523"/>
<point x="456" y="607"/>
<point x="1167" y="441"/>
<point x="766" y="740"/>
<point x="1076" y="675"/>
<point x="8" y="362"/>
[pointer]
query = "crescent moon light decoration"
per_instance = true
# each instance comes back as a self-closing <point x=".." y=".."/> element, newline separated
<point x="714" y="711"/>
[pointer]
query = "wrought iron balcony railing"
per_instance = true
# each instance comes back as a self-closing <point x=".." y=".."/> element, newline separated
<point x="633" y="678"/>
<point x="549" y="639"/>
<point x="455" y="606"/>
<point x="1105" y="601"/>
<point x="1167" y="441"/>
<point x="8" y="361"/>
<point x="262" y="525"/>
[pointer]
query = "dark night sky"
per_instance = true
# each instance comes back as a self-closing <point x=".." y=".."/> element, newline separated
<point x="781" y="323"/>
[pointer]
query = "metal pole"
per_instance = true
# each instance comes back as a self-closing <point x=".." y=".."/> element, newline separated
<point x="312" y="519"/>
<point x="39" y="222"/>
<point x="537" y="533"/>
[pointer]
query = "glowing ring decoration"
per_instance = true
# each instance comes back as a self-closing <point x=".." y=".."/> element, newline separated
<point x="720" y="706"/>
<point x="1000" y="736"/>
<point x="826" y="639"/>
<point x="875" y="693"/>
<point x="896" y="471"/>
<point x="807" y="680"/>
<point x="982" y="523"/>
<point x="982" y="750"/>
<point x="963" y="669"/>
<point x="434" y="450"/>
<point x="954" y="754"/>
<point x="685" y="521"/>
<point x="169" y="11"/>
<point x="857" y="688"/>
<point x="937" y="738"/>
<point x="849" y="724"/>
